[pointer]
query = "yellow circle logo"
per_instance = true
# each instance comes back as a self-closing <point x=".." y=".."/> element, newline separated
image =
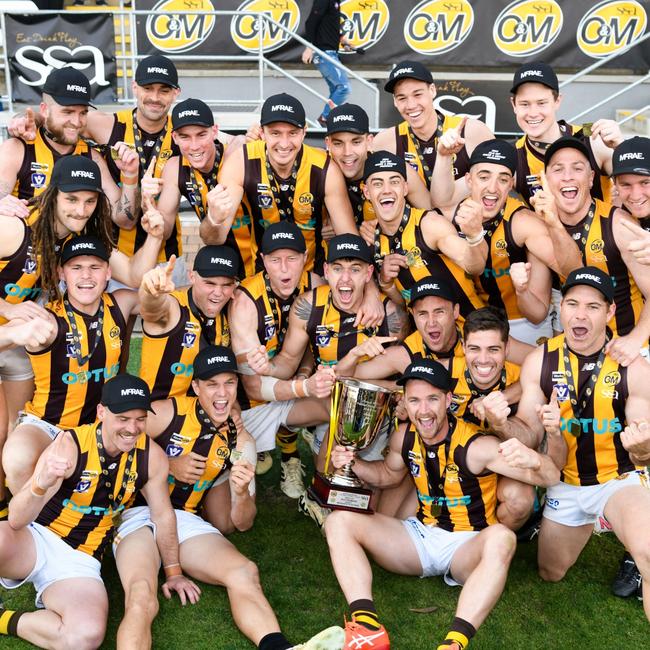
<point x="437" y="26"/>
<point x="526" y="27"/>
<point x="174" y="32"/>
<point x="245" y="30"/>
<point x="612" y="378"/>
<point x="364" y="21"/>
<point x="610" y="26"/>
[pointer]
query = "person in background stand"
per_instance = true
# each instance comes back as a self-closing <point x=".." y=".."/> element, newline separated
<point x="323" y="29"/>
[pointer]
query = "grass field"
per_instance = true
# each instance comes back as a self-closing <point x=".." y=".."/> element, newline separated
<point x="299" y="582"/>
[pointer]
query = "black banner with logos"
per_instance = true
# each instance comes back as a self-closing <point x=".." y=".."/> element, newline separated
<point x="37" y="44"/>
<point x="449" y="33"/>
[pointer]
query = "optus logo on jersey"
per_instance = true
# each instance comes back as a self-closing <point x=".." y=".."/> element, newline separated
<point x="364" y="21"/>
<point x="88" y="376"/>
<point x="526" y="27"/>
<point x="13" y="289"/>
<point x="610" y="26"/>
<point x="596" y="426"/>
<point x="245" y="30"/>
<point x="437" y="26"/>
<point x="175" y="32"/>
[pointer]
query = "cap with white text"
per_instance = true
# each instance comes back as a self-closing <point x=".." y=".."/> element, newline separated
<point x="349" y="247"/>
<point x="213" y="360"/>
<point x="125" y="392"/>
<point x="632" y="157"/>
<point x="283" y="108"/>
<point x="427" y="370"/>
<point x="348" y="118"/>
<point x="283" y="234"/>
<point x="407" y="70"/>
<point x="430" y="286"/>
<point x="216" y="262"/>
<point x="68" y="87"/>
<point x="590" y="276"/>
<point x="75" y="174"/>
<point x="156" y="69"/>
<point x="383" y="161"/>
<point x="191" y="112"/>
<point x="536" y="72"/>
<point x="84" y="245"/>
<point x="497" y="152"/>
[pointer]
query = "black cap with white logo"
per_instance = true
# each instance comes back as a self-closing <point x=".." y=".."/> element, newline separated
<point x="125" y="392"/>
<point x="84" y="245"/>
<point x="283" y="234"/>
<point x="384" y="161"/>
<point x="537" y="72"/>
<point x="431" y="286"/>
<point x="348" y="118"/>
<point x="407" y="70"/>
<point x="632" y="157"/>
<point x="497" y="152"/>
<point x="565" y="142"/>
<point x="191" y="112"/>
<point x="427" y="370"/>
<point x="76" y="173"/>
<point x="68" y="87"/>
<point x="348" y="247"/>
<point x="156" y="69"/>
<point x="213" y="360"/>
<point x="283" y="108"/>
<point x="216" y="262"/>
<point x="590" y="276"/>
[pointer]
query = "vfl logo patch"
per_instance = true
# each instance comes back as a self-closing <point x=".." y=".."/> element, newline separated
<point x="38" y="180"/>
<point x="173" y="450"/>
<point x="264" y="201"/>
<point x="562" y="392"/>
<point x="188" y="339"/>
<point x="29" y="266"/>
<point x="323" y="337"/>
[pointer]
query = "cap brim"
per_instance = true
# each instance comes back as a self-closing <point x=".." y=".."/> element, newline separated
<point x="70" y="101"/>
<point x="128" y="406"/>
<point x="192" y="123"/>
<point x="285" y="120"/>
<point x="154" y="80"/>
<point x="565" y="287"/>
<point x="351" y="129"/>
<point x="391" y="83"/>
<point x="632" y="170"/>
<point x="211" y="273"/>
<point x="208" y="375"/>
<point x="430" y="380"/>
<point x="284" y="246"/>
<point x="74" y="187"/>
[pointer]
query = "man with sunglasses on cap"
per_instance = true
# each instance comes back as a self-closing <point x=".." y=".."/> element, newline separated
<point x="455" y="534"/>
<point x="26" y="166"/>
<point x="206" y="426"/>
<point x="600" y="408"/>
<point x="348" y="142"/>
<point x="536" y="99"/>
<point x="415" y="139"/>
<point x="61" y="521"/>
<point x="598" y="230"/>
<point x="259" y="316"/>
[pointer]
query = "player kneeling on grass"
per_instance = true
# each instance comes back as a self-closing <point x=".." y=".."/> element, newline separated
<point x="209" y="452"/>
<point x="455" y="534"/>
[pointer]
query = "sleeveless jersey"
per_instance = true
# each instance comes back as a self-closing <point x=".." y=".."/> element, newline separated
<point x="332" y="333"/>
<point x="130" y="241"/>
<point x="494" y="284"/>
<point x="82" y="512"/>
<point x="67" y="393"/>
<point x="167" y="359"/>
<point x="601" y="251"/>
<point x="38" y="162"/>
<point x="20" y="273"/>
<point x="449" y="495"/>
<point x="307" y="204"/>
<point x="413" y="153"/>
<point x="185" y="434"/>
<point x="427" y="262"/>
<point x="361" y="207"/>
<point x="531" y="162"/>
<point x="463" y="394"/>
<point x="595" y="454"/>
<point x="417" y="349"/>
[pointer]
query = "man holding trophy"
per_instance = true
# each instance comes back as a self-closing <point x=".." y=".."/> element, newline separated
<point x="454" y="466"/>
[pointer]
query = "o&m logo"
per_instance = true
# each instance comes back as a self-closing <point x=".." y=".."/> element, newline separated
<point x="174" y="32"/>
<point x="364" y="21"/>
<point x="245" y="30"/>
<point x="610" y="26"/>
<point x="525" y="27"/>
<point x="437" y="26"/>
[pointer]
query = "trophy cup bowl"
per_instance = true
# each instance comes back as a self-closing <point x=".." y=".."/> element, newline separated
<point x="359" y="412"/>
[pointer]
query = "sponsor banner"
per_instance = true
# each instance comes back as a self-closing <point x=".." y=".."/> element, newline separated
<point x="37" y="44"/>
<point x="450" y="33"/>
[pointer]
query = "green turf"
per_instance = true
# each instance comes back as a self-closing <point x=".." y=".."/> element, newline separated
<point x="299" y="582"/>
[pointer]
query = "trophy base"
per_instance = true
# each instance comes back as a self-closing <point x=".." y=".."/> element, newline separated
<point x="329" y="495"/>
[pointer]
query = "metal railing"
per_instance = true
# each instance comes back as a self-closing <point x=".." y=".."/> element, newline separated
<point x="263" y="63"/>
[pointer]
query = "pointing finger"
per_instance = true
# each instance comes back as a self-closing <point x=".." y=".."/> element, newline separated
<point x="553" y="401"/>
<point x="170" y="266"/>
<point x="633" y="227"/>
<point x="461" y="126"/>
<point x="543" y="181"/>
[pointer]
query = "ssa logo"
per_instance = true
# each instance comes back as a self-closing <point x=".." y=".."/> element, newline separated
<point x="611" y="26"/>
<point x="245" y="30"/>
<point x="364" y="21"/>
<point x="174" y="32"/>
<point x="437" y="26"/>
<point x="525" y="27"/>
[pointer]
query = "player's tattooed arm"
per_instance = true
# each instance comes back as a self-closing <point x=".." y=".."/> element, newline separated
<point x="302" y="307"/>
<point x="397" y="321"/>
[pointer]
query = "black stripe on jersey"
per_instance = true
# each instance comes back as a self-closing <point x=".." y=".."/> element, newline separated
<point x="618" y="406"/>
<point x="117" y="135"/>
<point x="586" y="448"/>
<point x="13" y="269"/>
<point x="59" y="365"/>
<point x="550" y="362"/>
<point x="317" y="182"/>
<point x="471" y="486"/>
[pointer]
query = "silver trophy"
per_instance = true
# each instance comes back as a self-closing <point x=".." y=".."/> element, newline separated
<point x="359" y="412"/>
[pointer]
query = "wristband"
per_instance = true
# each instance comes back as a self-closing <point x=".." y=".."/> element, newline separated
<point x="300" y="388"/>
<point x="172" y="570"/>
<point x="267" y="388"/>
<point x="476" y="240"/>
<point x="124" y="180"/>
<point x="36" y="489"/>
<point x="305" y="388"/>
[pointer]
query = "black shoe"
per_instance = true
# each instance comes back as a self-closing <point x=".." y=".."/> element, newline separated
<point x="639" y="590"/>
<point x="530" y="529"/>
<point x="628" y="579"/>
